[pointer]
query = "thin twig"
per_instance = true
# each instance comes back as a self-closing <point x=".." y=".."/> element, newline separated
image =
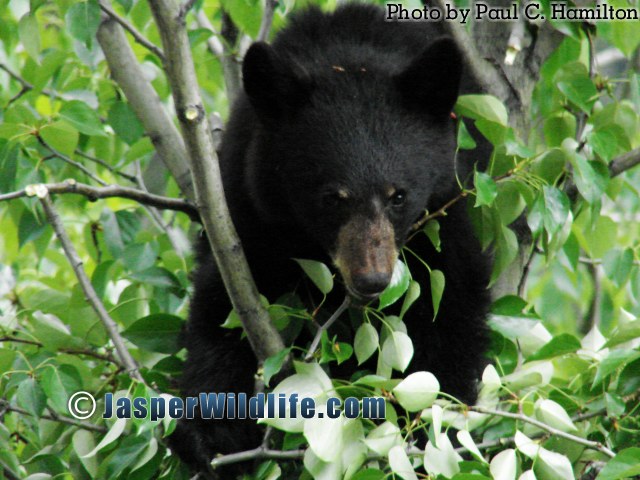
<point x="265" y="453"/>
<point x="267" y="20"/>
<point x="543" y="426"/>
<point x="259" y="453"/>
<point x="26" y="86"/>
<point x="90" y="294"/>
<point x="138" y="37"/>
<point x="70" y="161"/>
<point x="113" y="170"/>
<point x="73" y="351"/>
<point x="325" y="327"/>
<point x="110" y="191"/>
<point x="4" y="405"/>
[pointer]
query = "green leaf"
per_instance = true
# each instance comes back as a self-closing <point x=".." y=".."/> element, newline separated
<point x="272" y="365"/>
<point x="397" y="286"/>
<point x="486" y="189"/>
<point x="432" y="230"/>
<point x="618" y="264"/>
<point x="59" y="383"/>
<point x="31" y="397"/>
<point x="465" y="140"/>
<point x="400" y="464"/>
<point x="369" y="474"/>
<point x="366" y="342"/>
<point x="125" y="123"/>
<point x="319" y="274"/>
<point x="82" y="118"/>
<point x="591" y="178"/>
<point x="156" y="333"/>
<point x="484" y="107"/>
<point x="625" y="464"/>
<point x="397" y="351"/>
<point x="61" y="136"/>
<point x="574" y="82"/>
<point x="616" y="359"/>
<point x="122" y="457"/>
<point x="413" y="293"/>
<point x="83" y="443"/>
<point x="624" y="35"/>
<point x="418" y="391"/>
<point x="29" y="228"/>
<point x="111" y="436"/>
<point x="29" y="33"/>
<point x="437" y="280"/>
<point x="558" y="346"/>
<point x="558" y="127"/>
<point x="83" y="20"/>
<point x="342" y="351"/>
<point x="158" y="277"/>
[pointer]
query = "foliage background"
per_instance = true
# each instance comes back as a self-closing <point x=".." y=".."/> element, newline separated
<point x="566" y="340"/>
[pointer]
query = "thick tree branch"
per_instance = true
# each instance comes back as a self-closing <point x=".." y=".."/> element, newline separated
<point x="145" y="103"/>
<point x="267" y="20"/>
<point x="223" y="239"/>
<point x="138" y="37"/>
<point x="624" y="162"/>
<point x="90" y="294"/>
<point x="6" y="406"/>
<point x="110" y="191"/>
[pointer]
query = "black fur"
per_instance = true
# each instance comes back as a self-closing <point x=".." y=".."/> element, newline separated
<point x="340" y="101"/>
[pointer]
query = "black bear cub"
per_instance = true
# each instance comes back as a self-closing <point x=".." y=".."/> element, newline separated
<point x="342" y="138"/>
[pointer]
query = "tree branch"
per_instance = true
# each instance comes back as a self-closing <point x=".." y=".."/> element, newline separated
<point x="267" y="20"/>
<point x="6" y="406"/>
<point x="624" y="162"/>
<point x="138" y="37"/>
<point x="113" y="170"/>
<point x="90" y="294"/>
<point x="70" y="161"/>
<point x="325" y="327"/>
<point x="145" y="103"/>
<point x="259" y="453"/>
<point x="110" y="191"/>
<point x="543" y="426"/>
<point x="73" y="351"/>
<point x="223" y="239"/>
<point x="26" y="86"/>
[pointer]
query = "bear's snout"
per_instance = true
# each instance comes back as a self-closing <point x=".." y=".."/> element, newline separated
<point x="365" y="255"/>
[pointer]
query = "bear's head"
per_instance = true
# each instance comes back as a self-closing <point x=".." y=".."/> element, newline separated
<point x="360" y="147"/>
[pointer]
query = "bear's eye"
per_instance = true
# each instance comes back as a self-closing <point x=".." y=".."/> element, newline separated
<point x="398" y="198"/>
<point x="333" y="199"/>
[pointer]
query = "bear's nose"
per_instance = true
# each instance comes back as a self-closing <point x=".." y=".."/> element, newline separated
<point x="370" y="285"/>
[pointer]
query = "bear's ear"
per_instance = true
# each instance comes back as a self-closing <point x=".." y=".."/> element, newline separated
<point x="430" y="83"/>
<point x="271" y="84"/>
